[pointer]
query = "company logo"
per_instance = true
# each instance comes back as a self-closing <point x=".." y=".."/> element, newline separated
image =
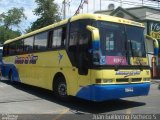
<point x="128" y="73"/>
<point x="60" y="56"/>
<point x="29" y="59"/>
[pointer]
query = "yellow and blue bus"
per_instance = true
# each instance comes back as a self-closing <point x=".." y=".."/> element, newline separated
<point x="90" y="56"/>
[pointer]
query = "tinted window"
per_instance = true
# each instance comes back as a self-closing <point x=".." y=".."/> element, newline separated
<point x="57" y="38"/>
<point x="79" y="40"/>
<point x="12" y="48"/>
<point x="1" y="51"/>
<point x="112" y="39"/>
<point x="41" y="41"/>
<point x="5" y="50"/>
<point x="78" y="33"/>
<point x="135" y="36"/>
<point x="19" y="46"/>
<point x="28" y="44"/>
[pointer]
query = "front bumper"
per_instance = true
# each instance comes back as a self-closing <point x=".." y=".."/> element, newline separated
<point x="109" y="92"/>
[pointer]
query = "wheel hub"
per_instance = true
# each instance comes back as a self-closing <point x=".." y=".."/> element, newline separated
<point x="62" y="89"/>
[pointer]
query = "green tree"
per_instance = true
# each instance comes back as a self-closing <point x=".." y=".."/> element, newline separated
<point x="6" y="34"/>
<point x="12" y="17"/>
<point x="48" y="12"/>
<point x="9" y="19"/>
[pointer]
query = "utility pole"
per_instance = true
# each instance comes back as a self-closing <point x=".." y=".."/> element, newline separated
<point x="64" y="9"/>
<point x="100" y="4"/>
<point x="142" y="3"/>
<point x="93" y="5"/>
<point x="121" y="2"/>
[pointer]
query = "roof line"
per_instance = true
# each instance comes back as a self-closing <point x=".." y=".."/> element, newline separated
<point x="142" y="7"/>
<point x="122" y="9"/>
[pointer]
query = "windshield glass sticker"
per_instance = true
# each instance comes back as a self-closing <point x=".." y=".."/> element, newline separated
<point x="115" y="60"/>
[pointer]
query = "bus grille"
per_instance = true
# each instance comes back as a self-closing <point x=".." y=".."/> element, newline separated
<point x="136" y="79"/>
<point x="122" y="80"/>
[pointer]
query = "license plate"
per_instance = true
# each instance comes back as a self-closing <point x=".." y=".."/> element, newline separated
<point x="130" y="89"/>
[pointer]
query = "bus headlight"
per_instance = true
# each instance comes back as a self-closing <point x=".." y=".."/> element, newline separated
<point x="146" y="79"/>
<point x="104" y="80"/>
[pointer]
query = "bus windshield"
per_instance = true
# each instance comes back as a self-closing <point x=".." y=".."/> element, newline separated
<point x="119" y="42"/>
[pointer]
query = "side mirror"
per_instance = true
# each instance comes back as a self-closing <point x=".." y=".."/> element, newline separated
<point x="95" y="36"/>
<point x="82" y="56"/>
<point x="156" y="44"/>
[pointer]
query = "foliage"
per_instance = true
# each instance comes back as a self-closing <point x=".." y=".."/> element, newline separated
<point x="28" y="30"/>
<point x="6" y="34"/>
<point x="12" y="17"/>
<point x="48" y="12"/>
<point x="9" y="19"/>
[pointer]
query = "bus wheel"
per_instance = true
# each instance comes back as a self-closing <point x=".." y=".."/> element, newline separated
<point x="61" y="89"/>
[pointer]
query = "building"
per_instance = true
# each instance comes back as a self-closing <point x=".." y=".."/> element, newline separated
<point x="151" y="19"/>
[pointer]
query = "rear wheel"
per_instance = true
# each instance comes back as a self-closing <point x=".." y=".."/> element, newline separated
<point x="61" y="89"/>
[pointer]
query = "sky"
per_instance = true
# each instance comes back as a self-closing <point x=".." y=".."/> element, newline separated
<point x="71" y="7"/>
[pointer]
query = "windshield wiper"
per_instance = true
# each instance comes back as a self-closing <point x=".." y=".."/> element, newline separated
<point x="126" y="53"/>
<point x="140" y="64"/>
<point x="122" y="58"/>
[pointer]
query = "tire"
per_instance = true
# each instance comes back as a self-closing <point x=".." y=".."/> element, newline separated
<point x="61" y="89"/>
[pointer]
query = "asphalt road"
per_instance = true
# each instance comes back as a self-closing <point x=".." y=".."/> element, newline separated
<point x="31" y="103"/>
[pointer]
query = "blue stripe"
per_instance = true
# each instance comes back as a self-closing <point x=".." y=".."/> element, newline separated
<point x="156" y="51"/>
<point x="95" y="45"/>
<point x="6" y="69"/>
<point x="109" y="92"/>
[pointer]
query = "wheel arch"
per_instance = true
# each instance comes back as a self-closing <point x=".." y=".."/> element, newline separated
<point x="55" y="79"/>
<point x="13" y="70"/>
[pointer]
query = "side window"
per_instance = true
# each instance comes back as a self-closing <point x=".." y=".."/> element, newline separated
<point x="73" y="39"/>
<point x="41" y="41"/>
<point x="78" y="33"/>
<point x="19" y="46"/>
<point x="5" y="50"/>
<point x="79" y="40"/>
<point x="12" y="48"/>
<point x="59" y="37"/>
<point x="28" y="44"/>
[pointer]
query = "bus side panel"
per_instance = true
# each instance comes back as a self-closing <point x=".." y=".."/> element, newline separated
<point x="41" y="72"/>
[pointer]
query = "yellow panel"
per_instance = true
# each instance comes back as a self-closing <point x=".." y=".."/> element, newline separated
<point x="139" y="61"/>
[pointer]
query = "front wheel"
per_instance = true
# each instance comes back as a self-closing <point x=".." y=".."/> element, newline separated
<point x="61" y="89"/>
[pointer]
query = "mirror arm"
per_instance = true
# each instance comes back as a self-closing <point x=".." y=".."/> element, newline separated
<point x="156" y="44"/>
